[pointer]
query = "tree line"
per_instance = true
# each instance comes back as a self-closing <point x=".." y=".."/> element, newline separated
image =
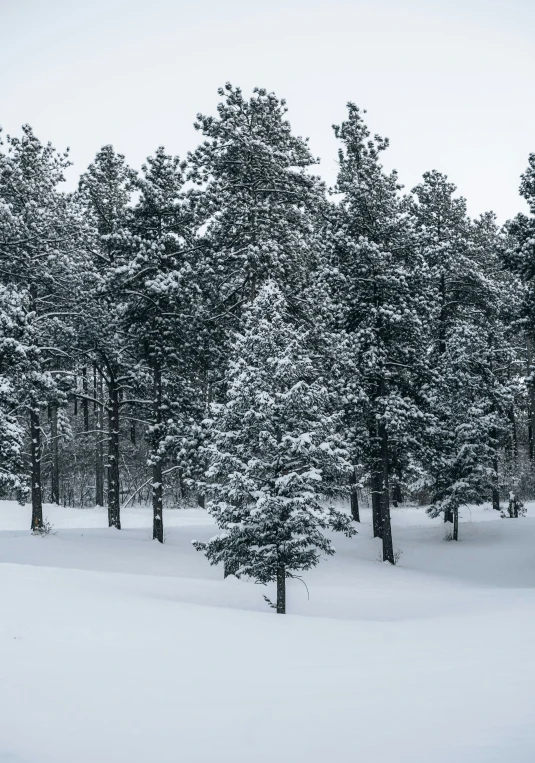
<point x="227" y="328"/>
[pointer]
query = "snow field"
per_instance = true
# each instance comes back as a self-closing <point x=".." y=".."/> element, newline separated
<point x="114" y="648"/>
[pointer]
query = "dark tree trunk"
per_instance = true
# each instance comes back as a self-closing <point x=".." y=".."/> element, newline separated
<point x="37" y="495"/>
<point x="99" y="443"/>
<point x="448" y="515"/>
<point x="133" y="437"/>
<point x="55" y="453"/>
<point x="442" y="316"/>
<point x="531" y="405"/>
<point x="455" y="535"/>
<point x="281" y="590"/>
<point x="495" y="485"/>
<point x="85" y="402"/>
<point x="355" y="514"/>
<point x="200" y="500"/>
<point x="514" y="437"/>
<point x="376" y="483"/>
<point x="386" y="527"/>
<point x="376" y="506"/>
<point x="157" y="475"/>
<point x="114" y="516"/>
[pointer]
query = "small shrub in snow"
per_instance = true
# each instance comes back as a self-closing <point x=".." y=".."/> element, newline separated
<point x="47" y="528"/>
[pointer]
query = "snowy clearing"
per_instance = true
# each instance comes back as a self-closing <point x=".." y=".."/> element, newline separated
<point x="115" y="648"/>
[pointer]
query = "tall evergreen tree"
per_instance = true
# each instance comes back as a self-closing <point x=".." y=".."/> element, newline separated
<point x="160" y="286"/>
<point x="40" y="254"/>
<point x="106" y="190"/>
<point x="469" y="394"/>
<point x="377" y="284"/>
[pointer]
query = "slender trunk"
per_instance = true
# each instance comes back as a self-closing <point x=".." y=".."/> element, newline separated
<point x="386" y="528"/>
<point x="495" y="485"/>
<point x="114" y="518"/>
<point x="37" y="496"/>
<point x="442" y="316"/>
<point x="355" y="514"/>
<point x="531" y="406"/>
<point x="281" y="589"/>
<point x="376" y="506"/>
<point x="200" y="500"/>
<point x="55" y="453"/>
<point x="85" y="402"/>
<point x="514" y="437"/>
<point x="375" y="483"/>
<point x="448" y="515"/>
<point x="99" y="443"/>
<point x="133" y="437"/>
<point x="455" y="535"/>
<point x="157" y="476"/>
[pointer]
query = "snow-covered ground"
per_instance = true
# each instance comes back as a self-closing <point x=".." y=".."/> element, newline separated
<point x="118" y="650"/>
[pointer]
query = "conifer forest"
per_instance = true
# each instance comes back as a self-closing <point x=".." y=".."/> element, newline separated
<point x="223" y="330"/>
<point x="267" y="381"/>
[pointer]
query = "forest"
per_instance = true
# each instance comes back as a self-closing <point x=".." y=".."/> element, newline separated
<point x="224" y="330"/>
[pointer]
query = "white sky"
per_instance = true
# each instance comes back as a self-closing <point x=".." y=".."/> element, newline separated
<point x="449" y="82"/>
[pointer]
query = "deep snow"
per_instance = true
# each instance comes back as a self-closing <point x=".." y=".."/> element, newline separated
<point x="118" y="650"/>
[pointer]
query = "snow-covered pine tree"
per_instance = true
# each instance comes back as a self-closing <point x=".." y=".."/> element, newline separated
<point x="376" y="282"/>
<point x="106" y="191"/>
<point x="258" y="207"/>
<point x="470" y="393"/>
<point x="40" y="254"/>
<point x="520" y="259"/>
<point x="18" y="361"/>
<point x="275" y="454"/>
<point x="258" y="198"/>
<point x="160" y="289"/>
<point x="502" y="366"/>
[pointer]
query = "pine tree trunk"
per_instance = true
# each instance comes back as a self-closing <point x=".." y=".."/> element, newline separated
<point x="386" y="528"/>
<point x="85" y="402"/>
<point x="376" y="483"/>
<point x="99" y="444"/>
<point x="455" y="535"/>
<point x="201" y="500"/>
<point x="37" y="496"/>
<point x="55" y="453"/>
<point x="496" y="485"/>
<point x="376" y="505"/>
<point x="114" y="518"/>
<point x="442" y="316"/>
<point x="531" y="406"/>
<point x="281" y="590"/>
<point x="514" y="437"/>
<point x="448" y="515"/>
<point x="157" y="476"/>
<point x="355" y="514"/>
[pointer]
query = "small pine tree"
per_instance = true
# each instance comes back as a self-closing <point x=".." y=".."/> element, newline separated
<point x="274" y="454"/>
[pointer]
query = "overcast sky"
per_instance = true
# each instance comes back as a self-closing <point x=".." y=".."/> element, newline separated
<point x="450" y="83"/>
